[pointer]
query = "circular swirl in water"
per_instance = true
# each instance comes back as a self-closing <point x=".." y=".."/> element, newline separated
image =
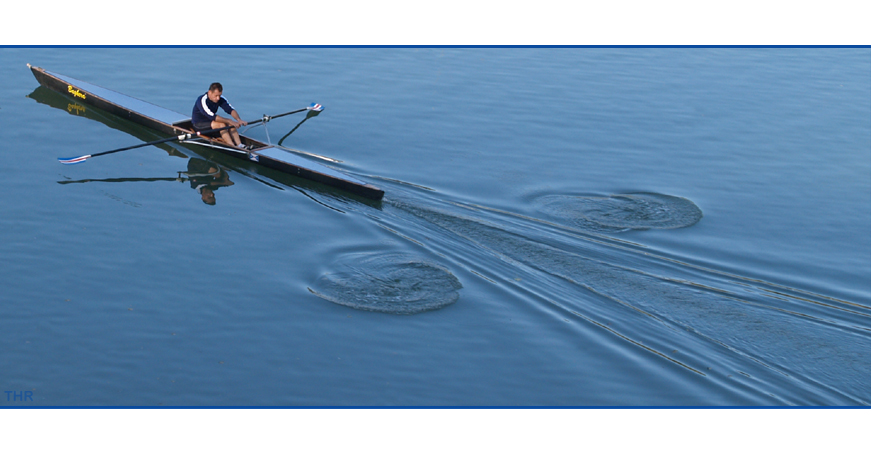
<point x="623" y="211"/>
<point x="390" y="283"/>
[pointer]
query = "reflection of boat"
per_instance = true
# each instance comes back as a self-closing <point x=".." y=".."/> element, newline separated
<point x="73" y="107"/>
<point x="172" y="123"/>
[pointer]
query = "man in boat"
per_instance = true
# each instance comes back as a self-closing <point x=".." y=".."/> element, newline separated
<point x="205" y="115"/>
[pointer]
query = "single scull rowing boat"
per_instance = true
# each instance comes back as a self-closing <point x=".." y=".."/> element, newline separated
<point x="178" y="125"/>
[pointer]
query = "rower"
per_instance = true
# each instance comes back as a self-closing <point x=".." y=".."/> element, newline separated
<point x="205" y="115"/>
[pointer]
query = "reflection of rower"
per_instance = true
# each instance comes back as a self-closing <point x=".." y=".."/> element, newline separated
<point x="206" y="178"/>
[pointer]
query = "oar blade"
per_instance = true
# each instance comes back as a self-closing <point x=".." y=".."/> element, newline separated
<point x="315" y="107"/>
<point x="75" y="160"/>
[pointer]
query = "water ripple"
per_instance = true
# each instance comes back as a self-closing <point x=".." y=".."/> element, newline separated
<point x="391" y="283"/>
<point x="622" y="211"/>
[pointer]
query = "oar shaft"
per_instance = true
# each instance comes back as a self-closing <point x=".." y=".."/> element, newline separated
<point x="156" y="142"/>
<point x="313" y="106"/>
<point x="279" y="115"/>
<point x="259" y="120"/>
<point x="80" y="159"/>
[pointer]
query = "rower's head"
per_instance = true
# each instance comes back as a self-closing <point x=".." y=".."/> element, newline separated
<point x="208" y="196"/>
<point x="215" y="91"/>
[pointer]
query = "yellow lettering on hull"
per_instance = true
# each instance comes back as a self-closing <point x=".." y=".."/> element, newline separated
<point x="76" y="93"/>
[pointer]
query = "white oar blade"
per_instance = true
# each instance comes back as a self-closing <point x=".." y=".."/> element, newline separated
<point x="316" y="107"/>
<point x="75" y="160"/>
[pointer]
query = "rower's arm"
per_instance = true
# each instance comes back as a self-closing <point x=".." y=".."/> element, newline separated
<point x="227" y="121"/>
<point x="236" y="116"/>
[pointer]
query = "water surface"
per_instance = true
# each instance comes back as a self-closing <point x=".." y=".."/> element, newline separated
<point x="561" y="227"/>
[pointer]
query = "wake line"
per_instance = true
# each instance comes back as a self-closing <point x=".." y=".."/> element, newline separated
<point x="620" y="244"/>
<point x="673" y="302"/>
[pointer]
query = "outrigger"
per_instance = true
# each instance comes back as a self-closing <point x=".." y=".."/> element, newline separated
<point x="179" y="128"/>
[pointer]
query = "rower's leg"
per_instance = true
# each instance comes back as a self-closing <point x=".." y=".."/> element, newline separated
<point x="226" y="136"/>
<point x="235" y="133"/>
<point x="224" y="133"/>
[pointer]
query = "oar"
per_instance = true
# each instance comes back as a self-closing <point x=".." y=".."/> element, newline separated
<point x="79" y="159"/>
<point x="186" y="136"/>
<point x="313" y="106"/>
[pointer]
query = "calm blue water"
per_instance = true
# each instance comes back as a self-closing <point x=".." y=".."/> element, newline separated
<point x="561" y="227"/>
